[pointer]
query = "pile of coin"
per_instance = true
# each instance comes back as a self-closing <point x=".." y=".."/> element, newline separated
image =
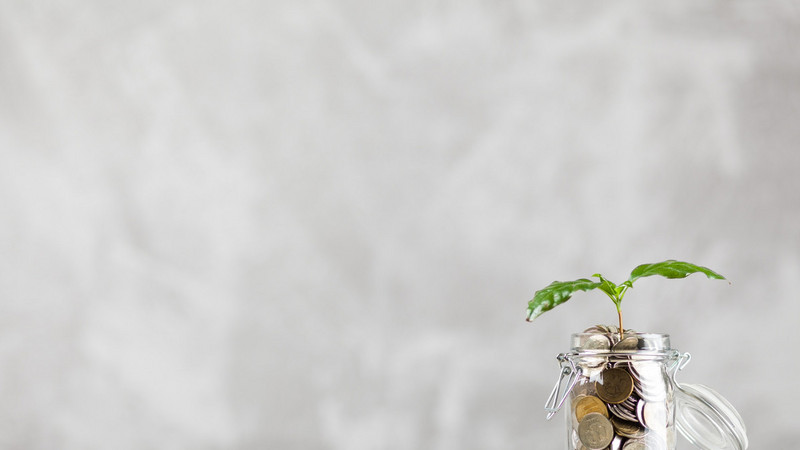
<point x="622" y="401"/>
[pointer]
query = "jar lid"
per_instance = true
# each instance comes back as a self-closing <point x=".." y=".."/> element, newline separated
<point x="707" y="420"/>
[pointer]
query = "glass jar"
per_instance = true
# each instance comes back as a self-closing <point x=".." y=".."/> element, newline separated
<point x="621" y="393"/>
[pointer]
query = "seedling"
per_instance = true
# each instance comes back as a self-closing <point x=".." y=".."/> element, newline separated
<point x="559" y="292"/>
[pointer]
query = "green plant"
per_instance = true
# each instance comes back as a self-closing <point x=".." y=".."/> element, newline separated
<point x="559" y="292"/>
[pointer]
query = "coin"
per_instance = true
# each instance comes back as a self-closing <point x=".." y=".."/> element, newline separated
<point x="654" y="415"/>
<point x="650" y="393"/>
<point x="653" y="441"/>
<point x="616" y="386"/>
<point x="576" y="396"/>
<point x="646" y="443"/>
<point x="589" y="404"/>
<point x="594" y="330"/>
<point x="640" y="412"/>
<point x="629" y="343"/>
<point x="595" y="431"/>
<point x="605" y="328"/>
<point x="628" y="429"/>
<point x="647" y="371"/>
<point x="617" y="411"/>
<point x="635" y="444"/>
<point x="597" y="342"/>
<point x="623" y="364"/>
<point x="583" y="388"/>
<point x="630" y="403"/>
<point x="622" y="412"/>
<point x="593" y="367"/>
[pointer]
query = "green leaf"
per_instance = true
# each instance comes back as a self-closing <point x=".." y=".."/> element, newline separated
<point x="555" y="294"/>
<point x="611" y="289"/>
<point x="671" y="269"/>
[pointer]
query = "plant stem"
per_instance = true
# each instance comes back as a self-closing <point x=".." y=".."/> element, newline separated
<point x="619" y="313"/>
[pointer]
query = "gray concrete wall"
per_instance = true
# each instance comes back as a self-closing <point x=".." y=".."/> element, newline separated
<point x="316" y="225"/>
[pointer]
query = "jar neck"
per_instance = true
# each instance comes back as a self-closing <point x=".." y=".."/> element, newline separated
<point x="630" y="344"/>
<point x="668" y="359"/>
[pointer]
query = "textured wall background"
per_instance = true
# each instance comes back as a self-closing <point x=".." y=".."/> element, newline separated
<point x="316" y="225"/>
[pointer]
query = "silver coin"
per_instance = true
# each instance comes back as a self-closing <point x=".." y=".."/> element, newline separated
<point x="654" y="415"/>
<point x="596" y="361"/>
<point x="634" y="373"/>
<point x="640" y="412"/>
<point x="595" y="431"/>
<point x="643" y="444"/>
<point x="652" y="385"/>
<point x="616" y="444"/>
<point x="647" y="370"/>
<point x="631" y="415"/>
<point x="623" y="364"/>
<point x="616" y="411"/>
<point x="597" y="342"/>
<point x="650" y="393"/>
<point x="605" y="328"/>
<point x="592" y="366"/>
<point x="584" y="386"/>
<point x="621" y="412"/>
<point x="628" y="429"/>
<point x="635" y="444"/>
<point x="654" y="441"/>
<point x="592" y="372"/>
<point x="637" y="389"/>
<point x="630" y="403"/>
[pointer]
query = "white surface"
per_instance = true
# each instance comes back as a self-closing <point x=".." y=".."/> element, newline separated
<point x="316" y="225"/>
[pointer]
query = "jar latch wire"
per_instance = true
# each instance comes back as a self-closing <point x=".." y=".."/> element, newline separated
<point x="566" y="380"/>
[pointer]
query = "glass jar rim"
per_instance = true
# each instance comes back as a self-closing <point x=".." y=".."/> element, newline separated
<point x="646" y="343"/>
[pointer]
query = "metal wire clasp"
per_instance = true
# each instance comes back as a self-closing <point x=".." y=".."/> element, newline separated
<point x="681" y="360"/>
<point x="572" y="374"/>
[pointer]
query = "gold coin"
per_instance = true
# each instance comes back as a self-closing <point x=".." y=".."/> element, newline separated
<point x="595" y="431"/>
<point x="614" y="386"/>
<point x="589" y="404"/>
<point x="630" y="343"/>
